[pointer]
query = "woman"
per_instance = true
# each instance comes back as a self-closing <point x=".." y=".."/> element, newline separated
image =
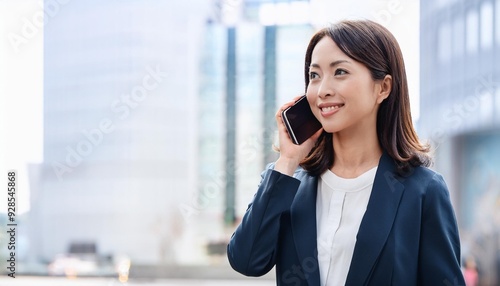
<point x="355" y="204"/>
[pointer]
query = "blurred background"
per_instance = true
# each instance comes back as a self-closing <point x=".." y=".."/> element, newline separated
<point x="138" y="129"/>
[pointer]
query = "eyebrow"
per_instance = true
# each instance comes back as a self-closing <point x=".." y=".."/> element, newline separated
<point x="332" y="64"/>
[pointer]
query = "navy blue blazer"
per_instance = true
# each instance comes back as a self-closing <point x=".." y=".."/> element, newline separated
<point x="408" y="234"/>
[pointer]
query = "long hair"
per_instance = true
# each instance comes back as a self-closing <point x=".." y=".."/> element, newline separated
<point x="375" y="47"/>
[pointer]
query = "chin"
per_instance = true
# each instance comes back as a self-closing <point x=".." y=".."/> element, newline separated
<point x="330" y="129"/>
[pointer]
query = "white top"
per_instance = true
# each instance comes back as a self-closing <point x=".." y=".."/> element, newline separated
<point x="340" y="206"/>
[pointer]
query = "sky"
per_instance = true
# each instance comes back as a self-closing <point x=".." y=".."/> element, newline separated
<point x="21" y="71"/>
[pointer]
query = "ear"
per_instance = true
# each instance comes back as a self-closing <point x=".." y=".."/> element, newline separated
<point x="385" y="88"/>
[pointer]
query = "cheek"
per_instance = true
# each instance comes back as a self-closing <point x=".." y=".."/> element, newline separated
<point x="310" y="98"/>
<point x="310" y="93"/>
<point x="362" y="93"/>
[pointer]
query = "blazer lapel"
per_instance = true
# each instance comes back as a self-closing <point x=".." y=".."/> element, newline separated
<point x="303" y="217"/>
<point x="377" y="221"/>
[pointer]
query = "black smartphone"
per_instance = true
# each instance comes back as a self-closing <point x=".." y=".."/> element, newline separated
<point x="300" y="121"/>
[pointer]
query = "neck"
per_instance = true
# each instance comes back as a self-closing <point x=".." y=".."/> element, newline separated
<point x="355" y="153"/>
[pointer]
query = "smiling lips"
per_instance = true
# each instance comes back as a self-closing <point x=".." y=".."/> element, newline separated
<point x="329" y="109"/>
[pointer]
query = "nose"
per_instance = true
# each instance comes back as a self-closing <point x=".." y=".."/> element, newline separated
<point x="325" y="88"/>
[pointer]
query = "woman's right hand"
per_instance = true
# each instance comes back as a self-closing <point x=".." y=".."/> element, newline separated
<point x="291" y="154"/>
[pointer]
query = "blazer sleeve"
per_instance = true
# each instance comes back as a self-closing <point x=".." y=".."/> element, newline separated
<point x="251" y="250"/>
<point x="439" y="257"/>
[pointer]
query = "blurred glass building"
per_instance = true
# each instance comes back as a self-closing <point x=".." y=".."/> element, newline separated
<point x="252" y="62"/>
<point x="120" y="91"/>
<point x="460" y="113"/>
<point x="157" y="121"/>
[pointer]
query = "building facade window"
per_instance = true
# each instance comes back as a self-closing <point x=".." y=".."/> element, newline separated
<point x="497" y="22"/>
<point x="472" y="32"/>
<point x="458" y="37"/>
<point x="444" y="42"/>
<point x="444" y="3"/>
<point x="486" y="25"/>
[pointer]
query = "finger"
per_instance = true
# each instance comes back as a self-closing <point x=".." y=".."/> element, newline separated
<point x="285" y="106"/>
<point x="281" y="124"/>
<point x="297" y="97"/>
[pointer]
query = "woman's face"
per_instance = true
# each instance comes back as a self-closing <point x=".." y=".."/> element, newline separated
<point x="341" y="91"/>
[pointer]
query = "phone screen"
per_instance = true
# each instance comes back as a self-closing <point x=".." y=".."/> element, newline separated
<point x="300" y="121"/>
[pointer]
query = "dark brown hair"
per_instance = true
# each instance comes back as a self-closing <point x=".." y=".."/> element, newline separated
<point x="375" y="47"/>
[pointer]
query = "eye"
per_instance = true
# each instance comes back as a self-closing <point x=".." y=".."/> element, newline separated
<point x="340" y="72"/>
<point x="313" y="75"/>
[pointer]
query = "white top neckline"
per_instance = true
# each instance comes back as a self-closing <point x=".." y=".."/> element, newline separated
<point x="351" y="184"/>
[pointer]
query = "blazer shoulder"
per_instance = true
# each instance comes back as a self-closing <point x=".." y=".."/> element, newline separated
<point x="428" y="175"/>
<point x="427" y="182"/>
<point x="422" y="176"/>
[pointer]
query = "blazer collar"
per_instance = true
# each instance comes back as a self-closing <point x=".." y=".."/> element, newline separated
<point x="377" y="221"/>
<point x="373" y="232"/>
<point x="303" y="217"/>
